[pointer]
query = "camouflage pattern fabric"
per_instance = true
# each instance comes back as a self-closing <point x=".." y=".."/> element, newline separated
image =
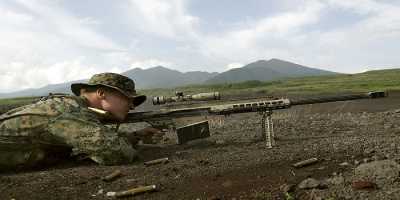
<point x="31" y="134"/>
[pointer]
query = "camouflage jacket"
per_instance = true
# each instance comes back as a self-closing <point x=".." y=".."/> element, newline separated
<point x="31" y="133"/>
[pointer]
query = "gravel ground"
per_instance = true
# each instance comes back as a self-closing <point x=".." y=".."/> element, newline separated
<point x="346" y="138"/>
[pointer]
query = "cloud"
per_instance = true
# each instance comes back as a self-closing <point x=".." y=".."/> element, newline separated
<point x="167" y="19"/>
<point x="266" y="37"/>
<point x="43" y="41"/>
<point x="297" y="35"/>
<point x="26" y="76"/>
<point x="42" y="44"/>
<point x="234" y="65"/>
<point x="144" y="64"/>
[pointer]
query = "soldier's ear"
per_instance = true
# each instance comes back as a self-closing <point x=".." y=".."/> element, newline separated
<point x="101" y="93"/>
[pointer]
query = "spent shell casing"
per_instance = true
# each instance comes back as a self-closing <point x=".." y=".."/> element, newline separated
<point x="112" y="176"/>
<point x="157" y="161"/>
<point x="136" y="191"/>
<point x="305" y="162"/>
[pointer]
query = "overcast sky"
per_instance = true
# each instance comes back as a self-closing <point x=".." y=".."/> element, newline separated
<point x="53" y="41"/>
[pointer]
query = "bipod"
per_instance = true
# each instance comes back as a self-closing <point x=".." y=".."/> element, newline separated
<point x="267" y="128"/>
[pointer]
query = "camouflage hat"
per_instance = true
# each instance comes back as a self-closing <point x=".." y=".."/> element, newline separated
<point x="121" y="83"/>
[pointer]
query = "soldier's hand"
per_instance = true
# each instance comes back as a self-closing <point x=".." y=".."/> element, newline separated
<point x="150" y="135"/>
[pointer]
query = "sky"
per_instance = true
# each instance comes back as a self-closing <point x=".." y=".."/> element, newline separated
<point x="53" y="41"/>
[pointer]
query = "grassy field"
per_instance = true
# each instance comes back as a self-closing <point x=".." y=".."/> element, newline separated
<point x="372" y="80"/>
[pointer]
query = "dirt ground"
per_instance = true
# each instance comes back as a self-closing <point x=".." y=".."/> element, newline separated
<point x="235" y="164"/>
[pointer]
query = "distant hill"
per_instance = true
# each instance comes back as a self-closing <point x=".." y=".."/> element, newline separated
<point x="161" y="77"/>
<point x="155" y="77"/>
<point x="53" y="88"/>
<point x="267" y="70"/>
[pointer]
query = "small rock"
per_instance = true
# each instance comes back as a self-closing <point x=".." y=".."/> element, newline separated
<point x="336" y="180"/>
<point x="360" y="185"/>
<point x="220" y="142"/>
<point x="369" y="151"/>
<point x="100" y="191"/>
<point x="344" y="164"/>
<point x="366" y="160"/>
<point x="131" y="180"/>
<point x="203" y="162"/>
<point x="381" y="172"/>
<point x="286" y="188"/>
<point x="309" y="183"/>
<point x="110" y="194"/>
<point x="348" y="197"/>
<point x="375" y="158"/>
<point x="356" y="162"/>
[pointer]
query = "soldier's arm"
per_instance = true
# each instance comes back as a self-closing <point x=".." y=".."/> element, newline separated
<point x="102" y="144"/>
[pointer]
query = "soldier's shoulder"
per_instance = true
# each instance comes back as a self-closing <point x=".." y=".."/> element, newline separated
<point x="48" y="106"/>
<point x="74" y="107"/>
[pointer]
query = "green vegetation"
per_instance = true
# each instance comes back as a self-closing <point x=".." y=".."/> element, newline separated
<point x="373" y="80"/>
<point x="18" y="100"/>
<point x="8" y="104"/>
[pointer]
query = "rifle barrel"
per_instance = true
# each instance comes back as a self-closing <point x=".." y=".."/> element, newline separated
<point x="369" y="95"/>
<point x="227" y="109"/>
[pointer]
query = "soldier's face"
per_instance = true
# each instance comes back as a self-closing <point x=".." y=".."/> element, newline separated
<point x="117" y="104"/>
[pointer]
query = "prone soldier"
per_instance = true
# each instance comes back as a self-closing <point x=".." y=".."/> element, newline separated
<point x="64" y="126"/>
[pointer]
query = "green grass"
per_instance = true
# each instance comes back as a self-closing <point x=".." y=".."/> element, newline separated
<point x="342" y="83"/>
<point x="373" y="80"/>
<point x="18" y="100"/>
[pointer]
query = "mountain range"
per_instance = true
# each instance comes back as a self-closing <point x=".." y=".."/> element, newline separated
<point x="162" y="77"/>
<point x="266" y="71"/>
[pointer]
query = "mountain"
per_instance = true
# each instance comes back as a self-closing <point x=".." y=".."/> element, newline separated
<point x="159" y="76"/>
<point x="155" y="77"/>
<point x="266" y="71"/>
<point x="43" y="91"/>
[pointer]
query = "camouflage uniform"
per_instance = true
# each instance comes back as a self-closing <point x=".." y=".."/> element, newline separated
<point x="63" y="125"/>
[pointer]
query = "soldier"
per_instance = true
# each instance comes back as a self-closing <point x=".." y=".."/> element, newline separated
<point x="63" y="126"/>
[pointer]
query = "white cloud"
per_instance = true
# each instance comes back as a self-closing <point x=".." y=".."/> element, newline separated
<point x="162" y="18"/>
<point x="89" y="21"/>
<point x="234" y="65"/>
<point x="267" y="37"/>
<point x="288" y="36"/>
<point x="372" y="41"/>
<point x="45" y="45"/>
<point x="64" y="25"/>
<point x="144" y="64"/>
<point x="43" y="41"/>
<point x="24" y="75"/>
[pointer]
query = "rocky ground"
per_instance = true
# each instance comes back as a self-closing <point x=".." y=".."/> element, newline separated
<point x="357" y="145"/>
